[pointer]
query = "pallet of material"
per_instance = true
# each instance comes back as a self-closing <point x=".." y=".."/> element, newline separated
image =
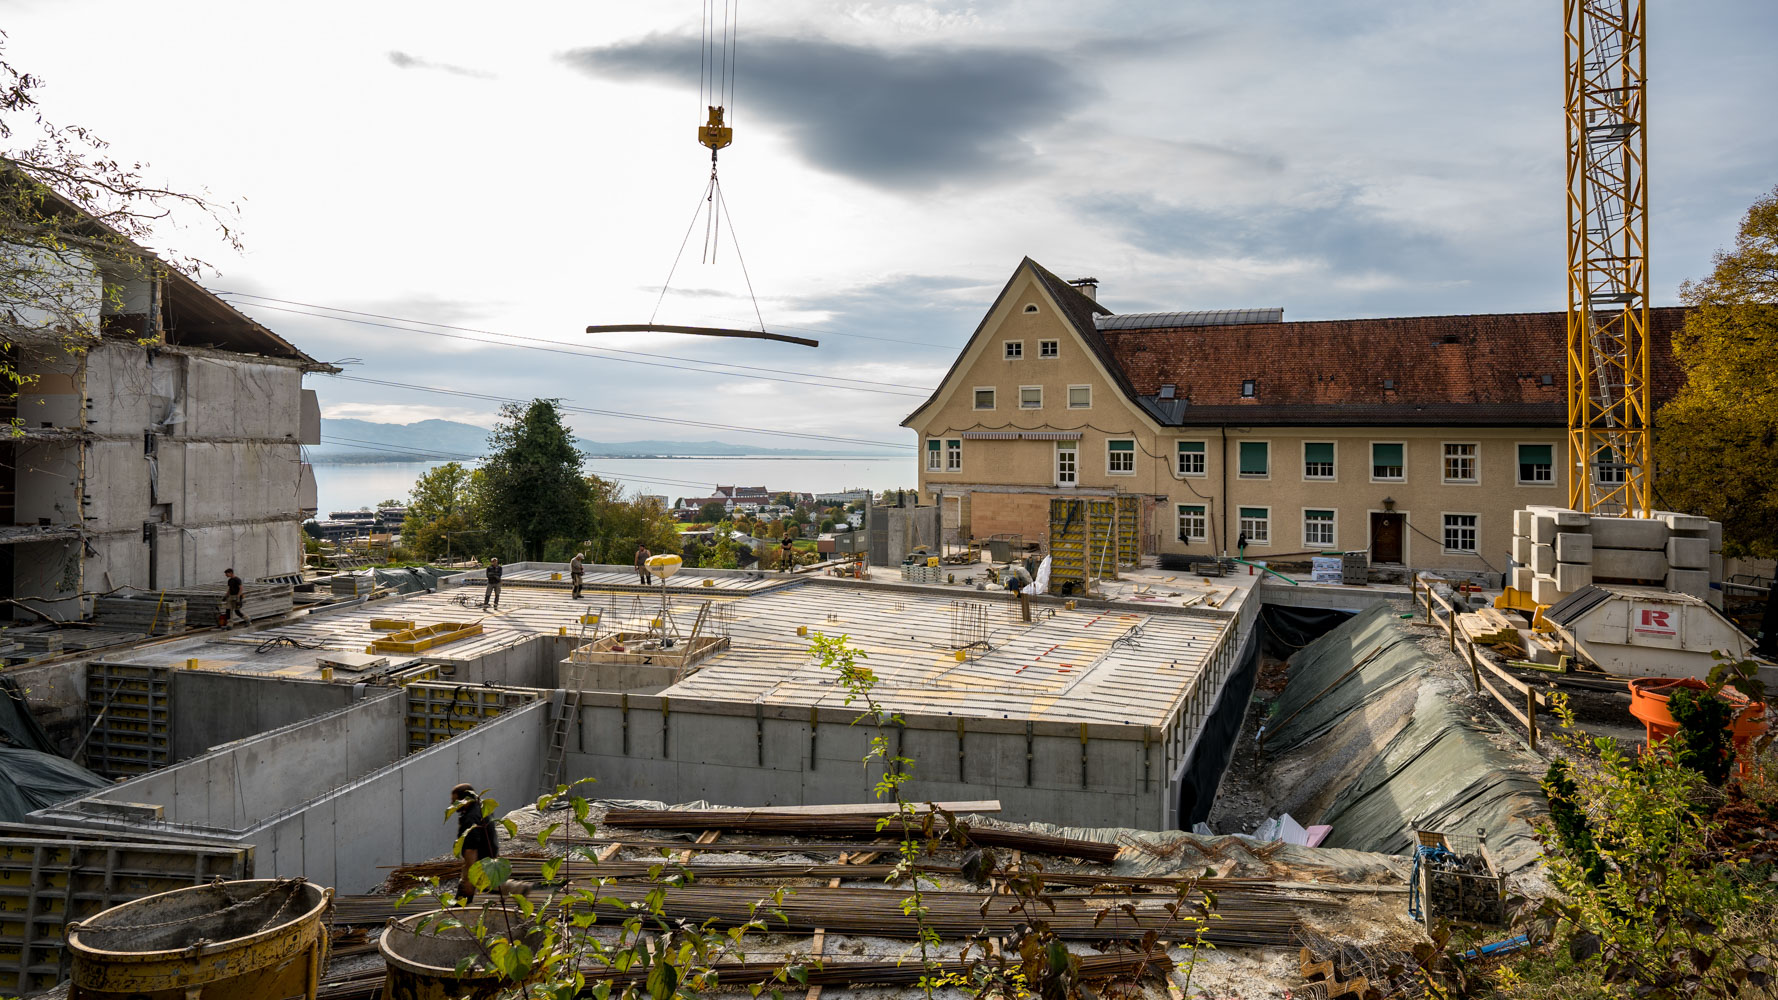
<point x="1488" y="627"/>
<point x="258" y="600"/>
<point x="151" y="614"/>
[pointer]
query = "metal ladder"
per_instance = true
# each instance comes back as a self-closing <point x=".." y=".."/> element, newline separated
<point x="567" y="717"/>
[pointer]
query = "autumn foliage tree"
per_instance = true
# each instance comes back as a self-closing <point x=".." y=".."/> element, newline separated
<point x="1716" y="443"/>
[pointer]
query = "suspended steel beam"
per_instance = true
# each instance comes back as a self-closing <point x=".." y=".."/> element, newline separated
<point x="1610" y="468"/>
<point x="701" y="331"/>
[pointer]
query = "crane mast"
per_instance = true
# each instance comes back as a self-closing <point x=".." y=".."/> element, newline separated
<point x="1610" y="468"/>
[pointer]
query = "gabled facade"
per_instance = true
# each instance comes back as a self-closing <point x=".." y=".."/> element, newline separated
<point x="1412" y="439"/>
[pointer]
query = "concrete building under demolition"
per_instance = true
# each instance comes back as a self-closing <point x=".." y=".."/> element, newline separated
<point x="157" y="437"/>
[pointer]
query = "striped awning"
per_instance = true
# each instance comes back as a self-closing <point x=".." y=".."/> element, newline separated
<point x="1021" y="435"/>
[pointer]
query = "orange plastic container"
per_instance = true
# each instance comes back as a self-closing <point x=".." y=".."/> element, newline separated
<point x="1648" y="702"/>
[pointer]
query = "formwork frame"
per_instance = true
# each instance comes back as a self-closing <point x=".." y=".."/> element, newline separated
<point x="131" y="708"/>
<point x="44" y="883"/>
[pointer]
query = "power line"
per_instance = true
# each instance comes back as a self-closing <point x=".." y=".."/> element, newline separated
<point x="824" y="331"/>
<point x="650" y="418"/>
<point x="604" y="354"/>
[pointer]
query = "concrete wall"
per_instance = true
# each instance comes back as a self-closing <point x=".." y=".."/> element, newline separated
<point x="285" y="794"/>
<point x="532" y="663"/>
<point x="210" y="709"/>
<point x="244" y="784"/>
<point x="727" y="753"/>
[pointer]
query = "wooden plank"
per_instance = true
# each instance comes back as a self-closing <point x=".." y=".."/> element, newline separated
<point x="1504" y="703"/>
<point x="872" y="808"/>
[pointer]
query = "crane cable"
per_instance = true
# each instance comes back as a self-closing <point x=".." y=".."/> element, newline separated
<point x="716" y="93"/>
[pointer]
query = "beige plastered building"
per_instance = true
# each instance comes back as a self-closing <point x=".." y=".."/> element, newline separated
<point x="1412" y="439"/>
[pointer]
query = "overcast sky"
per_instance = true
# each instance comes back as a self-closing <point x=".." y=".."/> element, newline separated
<point x="531" y="168"/>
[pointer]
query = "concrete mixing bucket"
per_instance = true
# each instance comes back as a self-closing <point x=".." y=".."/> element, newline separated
<point x="224" y="941"/>
<point x="422" y="960"/>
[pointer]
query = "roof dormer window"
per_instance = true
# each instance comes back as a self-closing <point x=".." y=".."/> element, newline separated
<point x="1249" y="388"/>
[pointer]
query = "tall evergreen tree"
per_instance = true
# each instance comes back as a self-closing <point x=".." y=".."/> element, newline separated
<point x="531" y="486"/>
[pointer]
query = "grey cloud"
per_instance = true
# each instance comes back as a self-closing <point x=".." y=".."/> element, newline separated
<point x="900" y="119"/>
<point x="1351" y="242"/>
<point x="403" y="60"/>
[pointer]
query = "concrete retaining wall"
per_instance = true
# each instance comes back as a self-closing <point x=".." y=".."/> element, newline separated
<point x="210" y="709"/>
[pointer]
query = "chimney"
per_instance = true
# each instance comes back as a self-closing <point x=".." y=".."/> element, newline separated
<point x="1087" y="286"/>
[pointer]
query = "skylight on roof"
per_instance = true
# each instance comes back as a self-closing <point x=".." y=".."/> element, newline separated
<point x="1248" y="388"/>
<point x="1167" y="391"/>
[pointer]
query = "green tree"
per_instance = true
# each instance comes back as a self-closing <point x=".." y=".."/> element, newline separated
<point x="530" y="484"/>
<point x="712" y="512"/>
<point x="439" y="519"/>
<point x="1716" y="442"/>
<point x="619" y="523"/>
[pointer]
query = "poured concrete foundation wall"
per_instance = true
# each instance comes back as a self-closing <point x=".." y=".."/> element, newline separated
<point x="282" y="791"/>
<point x="244" y="784"/>
<point x="778" y="755"/>
<point x="210" y="709"/>
<point x="529" y="664"/>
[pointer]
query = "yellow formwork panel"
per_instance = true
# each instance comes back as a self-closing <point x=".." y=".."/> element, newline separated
<point x="418" y="640"/>
<point x="391" y="624"/>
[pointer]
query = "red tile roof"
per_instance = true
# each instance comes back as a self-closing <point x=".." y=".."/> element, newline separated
<point x="1485" y="369"/>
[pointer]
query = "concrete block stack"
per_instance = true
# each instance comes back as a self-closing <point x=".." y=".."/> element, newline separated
<point x="1557" y="551"/>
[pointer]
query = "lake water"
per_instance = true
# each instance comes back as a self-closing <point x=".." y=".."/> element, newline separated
<point x="350" y="487"/>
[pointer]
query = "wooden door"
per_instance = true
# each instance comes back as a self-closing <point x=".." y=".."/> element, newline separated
<point x="1386" y="537"/>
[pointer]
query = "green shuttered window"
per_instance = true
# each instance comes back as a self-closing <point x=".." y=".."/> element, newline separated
<point x="1255" y="459"/>
<point x="1537" y="463"/>
<point x="1318" y="460"/>
<point x="1386" y="461"/>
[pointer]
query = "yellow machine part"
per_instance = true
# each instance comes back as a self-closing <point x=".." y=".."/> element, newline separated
<point x="418" y="640"/>
<point x="1517" y="600"/>
<point x="715" y="134"/>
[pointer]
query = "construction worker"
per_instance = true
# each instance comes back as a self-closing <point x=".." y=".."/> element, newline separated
<point x="1018" y="578"/>
<point x="576" y="571"/>
<point x="642" y="555"/>
<point x="232" y="600"/>
<point x="1240" y="545"/>
<point x="476" y="832"/>
<point x="493" y="591"/>
<point x="787" y="551"/>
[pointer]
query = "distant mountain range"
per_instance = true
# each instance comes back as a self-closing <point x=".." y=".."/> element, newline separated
<point x="346" y="441"/>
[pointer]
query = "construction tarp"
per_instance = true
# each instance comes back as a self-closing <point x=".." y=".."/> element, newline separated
<point x="32" y="779"/>
<point x="1439" y="771"/>
<point x="18" y="727"/>
<point x="1337" y="673"/>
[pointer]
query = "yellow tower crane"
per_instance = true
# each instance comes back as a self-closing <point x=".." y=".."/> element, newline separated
<point x="1610" y="467"/>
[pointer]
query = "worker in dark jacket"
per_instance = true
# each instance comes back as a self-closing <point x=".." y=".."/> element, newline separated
<point x="642" y="555"/>
<point x="476" y="835"/>
<point x="787" y="560"/>
<point x="493" y="590"/>
<point x="232" y="600"/>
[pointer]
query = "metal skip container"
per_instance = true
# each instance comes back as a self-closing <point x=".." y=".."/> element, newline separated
<point x="423" y="957"/>
<point x="223" y="941"/>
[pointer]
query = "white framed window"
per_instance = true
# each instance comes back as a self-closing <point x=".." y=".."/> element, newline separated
<point x="1460" y="533"/>
<point x="1256" y="459"/>
<point x="1030" y="397"/>
<point x="1190" y="458"/>
<point x="1256" y="524"/>
<point x="1080" y="397"/>
<point x="1120" y="457"/>
<point x="1015" y="349"/>
<point x="1318" y="460"/>
<point x="1318" y="529"/>
<point x="1537" y="465"/>
<point x="1193" y="525"/>
<point x="953" y="455"/>
<point x="1067" y="463"/>
<point x="1460" y="462"/>
<point x="1388" y="461"/>
<point x="1049" y="348"/>
<point x="935" y="459"/>
<point x="984" y="397"/>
